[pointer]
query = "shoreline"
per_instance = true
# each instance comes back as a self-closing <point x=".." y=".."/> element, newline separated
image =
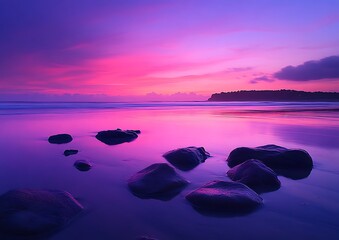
<point x="112" y="212"/>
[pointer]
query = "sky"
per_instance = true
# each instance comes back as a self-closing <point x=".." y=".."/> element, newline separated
<point x="161" y="50"/>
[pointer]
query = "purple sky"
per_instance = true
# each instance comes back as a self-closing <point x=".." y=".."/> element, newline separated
<point x="159" y="48"/>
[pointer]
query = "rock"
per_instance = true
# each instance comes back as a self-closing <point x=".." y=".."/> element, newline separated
<point x="118" y="136"/>
<point x="136" y="131"/>
<point x="159" y="181"/>
<point x="186" y="158"/>
<point x="291" y="163"/>
<point x="70" y="152"/>
<point x="224" y="197"/>
<point x="256" y="175"/>
<point x="83" y="165"/>
<point x="34" y="212"/>
<point x="145" y="238"/>
<point x="60" y="138"/>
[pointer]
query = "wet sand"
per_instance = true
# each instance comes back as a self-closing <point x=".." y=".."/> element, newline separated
<point x="300" y="209"/>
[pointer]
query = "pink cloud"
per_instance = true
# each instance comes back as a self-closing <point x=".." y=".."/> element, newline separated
<point x="132" y="48"/>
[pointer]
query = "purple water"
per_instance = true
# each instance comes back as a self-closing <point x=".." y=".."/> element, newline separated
<point x="301" y="209"/>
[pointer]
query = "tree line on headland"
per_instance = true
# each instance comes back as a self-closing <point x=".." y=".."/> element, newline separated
<point x="275" y="95"/>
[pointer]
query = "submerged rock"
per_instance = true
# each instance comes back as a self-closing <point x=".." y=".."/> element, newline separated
<point x="60" y="138"/>
<point x="70" y="152"/>
<point x="83" y="165"/>
<point x="255" y="175"/>
<point x="158" y="181"/>
<point x="186" y="158"/>
<point x="145" y="238"/>
<point x="118" y="136"/>
<point x="291" y="163"/>
<point x="224" y="197"/>
<point x="35" y="212"/>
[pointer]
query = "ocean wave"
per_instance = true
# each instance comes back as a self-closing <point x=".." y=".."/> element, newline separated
<point x="242" y="107"/>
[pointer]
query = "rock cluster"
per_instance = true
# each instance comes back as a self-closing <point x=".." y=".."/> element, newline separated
<point x="253" y="171"/>
<point x="291" y="163"/>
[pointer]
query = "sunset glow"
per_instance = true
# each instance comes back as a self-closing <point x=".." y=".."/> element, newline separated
<point x="155" y="48"/>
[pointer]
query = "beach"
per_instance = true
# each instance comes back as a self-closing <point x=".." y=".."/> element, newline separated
<point x="301" y="209"/>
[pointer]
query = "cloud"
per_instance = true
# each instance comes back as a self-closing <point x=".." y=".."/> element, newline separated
<point x="311" y="70"/>
<point x="179" y="96"/>
<point x="153" y="96"/>
<point x="261" y="79"/>
<point x="239" y="69"/>
<point x="133" y="47"/>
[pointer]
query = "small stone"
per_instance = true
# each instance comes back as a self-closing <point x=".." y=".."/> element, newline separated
<point x="145" y="238"/>
<point x="60" y="138"/>
<point x="83" y="165"/>
<point x="70" y="152"/>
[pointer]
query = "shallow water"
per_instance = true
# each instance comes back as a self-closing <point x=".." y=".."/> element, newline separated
<point x="301" y="209"/>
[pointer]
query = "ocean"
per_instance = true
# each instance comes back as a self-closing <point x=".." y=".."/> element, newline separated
<point x="301" y="209"/>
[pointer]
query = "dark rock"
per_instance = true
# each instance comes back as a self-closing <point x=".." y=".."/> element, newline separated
<point x="159" y="181"/>
<point x="256" y="175"/>
<point x="60" y="138"/>
<point x="118" y="136"/>
<point x="224" y="197"/>
<point x="82" y="165"/>
<point x="145" y="238"/>
<point x="34" y="212"/>
<point x="186" y="158"/>
<point x="136" y="131"/>
<point x="70" y="152"/>
<point x="291" y="163"/>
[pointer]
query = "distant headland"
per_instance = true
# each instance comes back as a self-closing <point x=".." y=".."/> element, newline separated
<point x="275" y="95"/>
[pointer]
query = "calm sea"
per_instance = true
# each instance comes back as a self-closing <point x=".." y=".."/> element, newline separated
<point x="301" y="209"/>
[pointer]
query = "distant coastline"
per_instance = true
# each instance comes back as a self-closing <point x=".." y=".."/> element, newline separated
<point x="275" y="95"/>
